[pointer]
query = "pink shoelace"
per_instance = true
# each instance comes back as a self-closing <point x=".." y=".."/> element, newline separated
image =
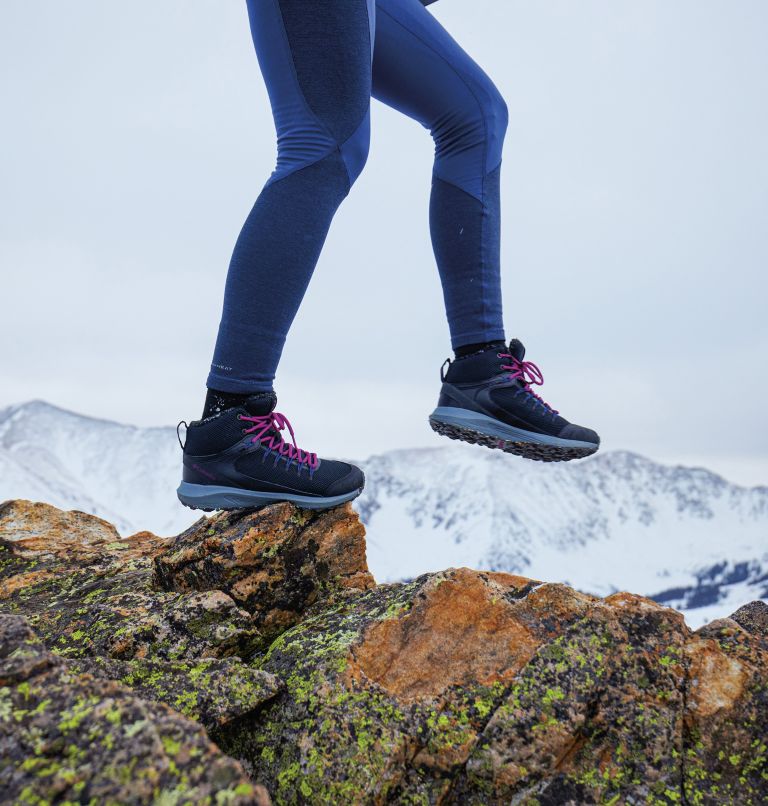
<point x="277" y="422"/>
<point x="528" y="373"/>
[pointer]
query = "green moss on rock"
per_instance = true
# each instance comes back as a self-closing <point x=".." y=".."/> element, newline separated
<point x="71" y="738"/>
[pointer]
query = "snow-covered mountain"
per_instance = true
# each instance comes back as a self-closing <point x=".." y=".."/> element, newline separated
<point x="125" y="474"/>
<point x="617" y="521"/>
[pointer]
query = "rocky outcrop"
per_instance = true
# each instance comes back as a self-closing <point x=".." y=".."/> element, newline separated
<point x="275" y="565"/>
<point x="95" y="596"/>
<point x="461" y="687"/>
<point x="71" y="738"/>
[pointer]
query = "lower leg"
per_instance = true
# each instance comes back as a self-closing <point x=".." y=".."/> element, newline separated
<point x="271" y="266"/>
<point x="465" y="233"/>
<point x="420" y="70"/>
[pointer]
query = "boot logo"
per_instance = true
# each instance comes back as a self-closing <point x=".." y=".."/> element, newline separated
<point x="203" y="471"/>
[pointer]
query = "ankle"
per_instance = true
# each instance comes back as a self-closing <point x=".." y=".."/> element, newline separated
<point x="479" y="347"/>
<point x="217" y="401"/>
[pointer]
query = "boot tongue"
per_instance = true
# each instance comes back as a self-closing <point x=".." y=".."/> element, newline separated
<point x="260" y="404"/>
<point x="516" y="349"/>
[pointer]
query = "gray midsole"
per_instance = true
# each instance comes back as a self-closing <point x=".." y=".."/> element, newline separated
<point x="209" y="495"/>
<point x="494" y="428"/>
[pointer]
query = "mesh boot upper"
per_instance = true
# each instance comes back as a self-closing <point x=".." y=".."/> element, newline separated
<point x="482" y="377"/>
<point x="218" y="451"/>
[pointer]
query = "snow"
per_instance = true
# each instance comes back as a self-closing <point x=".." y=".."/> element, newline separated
<point x="125" y="474"/>
<point x="616" y="521"/>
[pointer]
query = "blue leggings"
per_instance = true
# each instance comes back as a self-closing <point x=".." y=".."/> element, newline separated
<point x="322" y="61"/>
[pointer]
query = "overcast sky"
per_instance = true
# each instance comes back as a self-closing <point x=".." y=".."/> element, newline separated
<point x="136" y="137"/>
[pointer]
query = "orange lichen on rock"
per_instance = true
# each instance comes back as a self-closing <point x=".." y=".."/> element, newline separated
<point x="464" y="626"/>
<point x="43" y="529"/>
<point x="717" y="681"/>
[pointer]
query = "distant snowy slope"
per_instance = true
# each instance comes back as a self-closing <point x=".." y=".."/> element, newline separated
<point x="126" y="474"/>
<point x="615" y="521"/>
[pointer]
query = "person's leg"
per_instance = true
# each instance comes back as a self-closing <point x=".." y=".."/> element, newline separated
<point x="316" y="62"/>
<point x="420" y="70"/>
<point x="486" y="396"/>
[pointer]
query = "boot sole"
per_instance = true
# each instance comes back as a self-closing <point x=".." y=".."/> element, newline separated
<point x="479" y="429"/>
<point x="209" y="497"/>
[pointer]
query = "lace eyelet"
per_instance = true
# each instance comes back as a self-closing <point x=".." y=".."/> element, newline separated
<point x="499" y="355"/>
<point x="239" y="416"/>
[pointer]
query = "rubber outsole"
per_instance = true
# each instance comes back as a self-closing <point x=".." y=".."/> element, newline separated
<point x="538" y="451"/>
<point x="210" y="498"/>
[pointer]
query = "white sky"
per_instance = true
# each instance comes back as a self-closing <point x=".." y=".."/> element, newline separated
<point x="136" y="137"/>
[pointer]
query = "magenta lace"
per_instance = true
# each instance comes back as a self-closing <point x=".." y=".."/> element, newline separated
<point x="275" y="442"/>
<point x="528" y="373"/>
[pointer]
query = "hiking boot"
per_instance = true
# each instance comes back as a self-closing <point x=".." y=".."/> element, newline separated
<point x="238" y="459"/>
<point x="487" y="399"/>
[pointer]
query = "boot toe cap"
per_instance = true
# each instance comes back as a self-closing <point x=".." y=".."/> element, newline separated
<point x="580" y="434"/>
<point x="353" y="479"/>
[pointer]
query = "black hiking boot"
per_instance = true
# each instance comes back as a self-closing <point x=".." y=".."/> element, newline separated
<point x="238" y="459"/>
<point x="487" y="399"/>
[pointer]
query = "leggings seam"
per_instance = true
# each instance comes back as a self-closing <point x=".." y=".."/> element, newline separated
<point x="341" y="146"/>
<point x="485" y="144"/>
<point x="367" y="111"/>
<point x="335" y="150"/>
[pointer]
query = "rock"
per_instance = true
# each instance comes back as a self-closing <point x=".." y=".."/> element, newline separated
<point x="97" y="597"/>
<point x="274" y="563"/>
<point x="70" y="738"/>
<point x="469" y="687"/>
<point x="461" y="687"/>
<point x="461" y="629"/>
<point x="753" y="617"/>
<point x="213" y="692"/>
<point x="46" y="528"/>
<point x="726" y="716"/>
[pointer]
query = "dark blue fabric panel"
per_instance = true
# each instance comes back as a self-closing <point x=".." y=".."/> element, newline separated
<point x="331" y="50"/>
<point x="301" y="138"/>
<point x="354" y="150"/>
<point x="319" y="86"/>
<point x="465" y="238"/>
